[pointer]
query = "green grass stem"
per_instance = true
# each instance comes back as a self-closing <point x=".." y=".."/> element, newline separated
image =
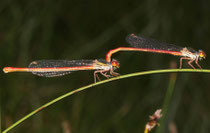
<point x="99" y="83"/>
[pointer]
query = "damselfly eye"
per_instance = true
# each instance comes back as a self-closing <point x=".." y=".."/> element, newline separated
<point x="115" y="64"/>
<point x="202" y="54"/>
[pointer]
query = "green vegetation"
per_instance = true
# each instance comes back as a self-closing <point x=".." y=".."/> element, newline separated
<point x="34" y="30"/>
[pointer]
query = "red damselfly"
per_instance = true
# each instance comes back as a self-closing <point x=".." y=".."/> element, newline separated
<point x="139" y="43"/>
<point x="53" y="68"/>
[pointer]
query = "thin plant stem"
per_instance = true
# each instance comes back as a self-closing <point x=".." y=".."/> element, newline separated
<point x="99" y="83"/>
<point x="146" y="130"/>
<point x="167" y="100"/>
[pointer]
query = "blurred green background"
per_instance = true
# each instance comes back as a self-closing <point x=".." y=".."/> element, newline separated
<point x="82" y="29"/>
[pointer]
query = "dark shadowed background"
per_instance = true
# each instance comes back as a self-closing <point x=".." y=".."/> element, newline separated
<point x="82" y="29"/>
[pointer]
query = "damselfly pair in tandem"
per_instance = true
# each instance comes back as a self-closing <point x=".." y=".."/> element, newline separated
<point x="53" y="68"/>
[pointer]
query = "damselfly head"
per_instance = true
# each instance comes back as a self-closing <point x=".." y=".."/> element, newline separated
<point x="201" y="55"/>
<point x="115" y="64"/>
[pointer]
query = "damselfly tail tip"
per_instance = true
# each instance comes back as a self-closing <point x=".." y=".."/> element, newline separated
<point x="7" y="69"/>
